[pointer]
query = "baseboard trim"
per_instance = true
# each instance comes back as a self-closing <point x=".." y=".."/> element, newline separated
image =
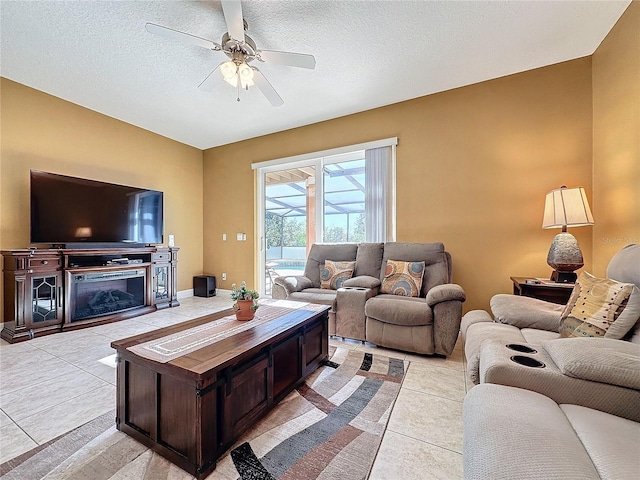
<point x="185" y="294"/>
<point x="189" y="293"/>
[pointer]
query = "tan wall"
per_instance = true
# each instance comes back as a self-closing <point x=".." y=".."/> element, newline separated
<point x="39" y="131"/>
<point x="616" y="139"/>
<point x="473" y="167"/>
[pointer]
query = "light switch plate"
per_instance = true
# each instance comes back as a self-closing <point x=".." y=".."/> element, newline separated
<point x="172" y="241"/>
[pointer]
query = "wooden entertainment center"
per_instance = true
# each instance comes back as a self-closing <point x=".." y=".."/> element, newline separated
<point x="52" y="290"/>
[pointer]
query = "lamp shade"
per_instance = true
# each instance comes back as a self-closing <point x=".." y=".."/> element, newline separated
<point x="566" y="207"/>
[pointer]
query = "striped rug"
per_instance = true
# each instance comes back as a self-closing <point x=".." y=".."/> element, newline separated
<point x="329" y="428"/>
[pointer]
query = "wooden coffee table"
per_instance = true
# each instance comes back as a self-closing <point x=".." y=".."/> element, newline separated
<point x="192" y="407"/>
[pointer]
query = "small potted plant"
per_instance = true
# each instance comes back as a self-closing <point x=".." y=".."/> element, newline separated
<point x="245" y="304"/>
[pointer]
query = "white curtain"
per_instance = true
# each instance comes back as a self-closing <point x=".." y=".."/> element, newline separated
<point x="377" y="165"/>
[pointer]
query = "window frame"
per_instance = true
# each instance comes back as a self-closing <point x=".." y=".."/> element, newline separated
<point x="317" y="160"/>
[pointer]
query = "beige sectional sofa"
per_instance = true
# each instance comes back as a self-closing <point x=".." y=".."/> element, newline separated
<point x="561" y="407"/>
<point x="427" y="323"/>
<point x="535" y="324"/>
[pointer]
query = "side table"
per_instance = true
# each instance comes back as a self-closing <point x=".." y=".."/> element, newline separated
<point x="542" y="289"/>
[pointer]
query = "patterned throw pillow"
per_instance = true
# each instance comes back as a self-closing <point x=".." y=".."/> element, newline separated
<point x="403" y="278"/>
<point x="332" y="274"/>
<point x="600" y="307"/>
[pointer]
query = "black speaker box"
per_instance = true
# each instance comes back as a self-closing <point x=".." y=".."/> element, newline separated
<point x="204" y="286"/>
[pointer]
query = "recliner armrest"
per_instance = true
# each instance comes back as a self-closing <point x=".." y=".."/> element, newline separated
<point x="363" y="281"/>
<point x="526" y="312"/>
<point x="603" y="360"/>
<point x="292" y="284"/>
<point x="445" y="293"/>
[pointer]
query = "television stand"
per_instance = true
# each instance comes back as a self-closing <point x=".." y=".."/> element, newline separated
<point x="52" y="290"/>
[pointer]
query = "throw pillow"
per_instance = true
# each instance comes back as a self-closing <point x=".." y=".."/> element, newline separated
<point x="600" y="307"/>
<point x="332" y="274"/>
<point x="403" y="278"/>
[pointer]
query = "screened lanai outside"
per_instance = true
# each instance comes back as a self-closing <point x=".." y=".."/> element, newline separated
<point x="292" y="197"/>
<point x="346" y="194"/>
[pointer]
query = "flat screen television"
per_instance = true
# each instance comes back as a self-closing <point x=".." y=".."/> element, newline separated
<point x="80" y="212"/>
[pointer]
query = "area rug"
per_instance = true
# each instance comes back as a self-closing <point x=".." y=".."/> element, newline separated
<point x="329" y="428"/>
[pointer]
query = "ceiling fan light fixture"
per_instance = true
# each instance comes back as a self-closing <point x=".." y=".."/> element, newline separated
<point x="233" y="81"/>
<point x="229" y="71"/>
<point x="245" y="72"/>
<point x="240" y="49"/>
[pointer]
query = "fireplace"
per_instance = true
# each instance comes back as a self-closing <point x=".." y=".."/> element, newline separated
<point x="95" y="294"/>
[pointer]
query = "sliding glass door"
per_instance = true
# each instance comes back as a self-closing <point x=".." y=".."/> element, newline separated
<point x="289" y="221"/>
<point x="343" y="197"/>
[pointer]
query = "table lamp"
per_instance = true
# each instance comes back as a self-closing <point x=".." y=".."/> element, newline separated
<point x="565" y="207"/>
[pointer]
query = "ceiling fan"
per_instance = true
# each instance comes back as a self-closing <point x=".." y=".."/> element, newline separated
<point x="241" y="50"/>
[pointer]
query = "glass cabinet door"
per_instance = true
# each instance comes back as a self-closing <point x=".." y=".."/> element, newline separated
<point x="161" y="279"/>
<point x="44" y="298"/>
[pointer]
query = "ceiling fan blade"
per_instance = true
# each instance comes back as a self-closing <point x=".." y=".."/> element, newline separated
<point x="181" y="36"/>
<point x="208" y="83"/>
<point x="232" y="10"/>
<point x="301" y="60"/>
<point x="265" y="87"/>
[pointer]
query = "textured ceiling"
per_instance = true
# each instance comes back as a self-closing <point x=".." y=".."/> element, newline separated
<point x="369" y="53"/>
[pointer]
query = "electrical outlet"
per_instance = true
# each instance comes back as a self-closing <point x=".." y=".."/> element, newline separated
<point x="172" y="241"/>
<point x="224" y="237"/>
<point x="224" y="276"/>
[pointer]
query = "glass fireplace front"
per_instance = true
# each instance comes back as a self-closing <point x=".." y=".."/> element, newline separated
<point x="102" y="293"/>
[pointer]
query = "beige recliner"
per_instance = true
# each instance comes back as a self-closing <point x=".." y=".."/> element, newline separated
<point x="427" y="324"/>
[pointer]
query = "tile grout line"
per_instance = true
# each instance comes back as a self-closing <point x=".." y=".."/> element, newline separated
<point x="432" y="394"/>
<point x="423" y="441"/>
<point x="46" y="380"/>
<point x="57" y="404"/>
<point x="105" y="383"/>
<point x="20" y="428"/>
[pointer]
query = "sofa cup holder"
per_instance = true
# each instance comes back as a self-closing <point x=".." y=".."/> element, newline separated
<point x="521" y="348"/>
<point x="527" y="361"/>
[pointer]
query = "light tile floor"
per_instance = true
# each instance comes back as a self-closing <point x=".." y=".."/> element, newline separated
<point x="52" y="384"/>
